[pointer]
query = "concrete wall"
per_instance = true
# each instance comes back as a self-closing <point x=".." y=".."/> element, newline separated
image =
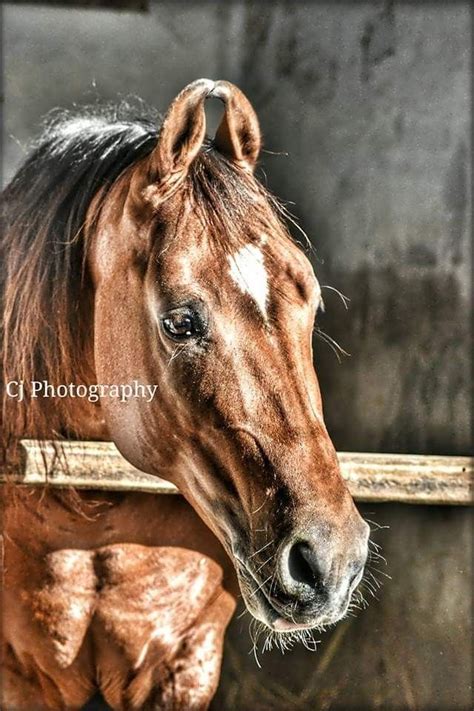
<point x="371" y="103"/>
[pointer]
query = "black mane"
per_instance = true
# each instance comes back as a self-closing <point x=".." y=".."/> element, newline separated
<point x="42" y="250"/>
<point x="75" y="156"/>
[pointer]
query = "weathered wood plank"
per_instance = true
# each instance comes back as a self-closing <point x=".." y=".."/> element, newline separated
<point x="415" y="479"/>
<point x="86" y="465"/>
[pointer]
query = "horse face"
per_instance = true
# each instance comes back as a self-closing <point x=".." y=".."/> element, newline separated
<point x="219" y="316"/>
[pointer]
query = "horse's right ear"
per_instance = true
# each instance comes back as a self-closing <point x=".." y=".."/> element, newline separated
<point x="182" y="133"/>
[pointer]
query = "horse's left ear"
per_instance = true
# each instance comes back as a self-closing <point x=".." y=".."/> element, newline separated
<point x="238" y="136"/>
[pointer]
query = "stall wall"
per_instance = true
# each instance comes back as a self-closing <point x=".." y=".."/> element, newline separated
<point x="370" y="101"/>
<point x="365" y="112"/>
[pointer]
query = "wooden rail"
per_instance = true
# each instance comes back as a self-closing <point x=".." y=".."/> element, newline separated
<point x="413" y="479"/>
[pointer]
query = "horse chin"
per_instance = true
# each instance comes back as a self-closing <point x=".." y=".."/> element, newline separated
<point x="262" y="610"/>
<point x="275" y="622"/>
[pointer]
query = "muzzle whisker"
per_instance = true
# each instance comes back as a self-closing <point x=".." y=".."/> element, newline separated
<point x="270" y="591"/>
<point x="369" y="584"/>
<point x="260" y="586"/>
<point x="292" y="611"/>
<point x="255" y="630"/>
<point x="369" y="588"/>
<point x="361" y="599"/>
<point x="262" y="548"/>
<point x="309" y="642"/>
<point x="380" y="572"/>
<point x="373" y="555"/>
<point x="263" y="564"/>
<point x="377" y="583"/>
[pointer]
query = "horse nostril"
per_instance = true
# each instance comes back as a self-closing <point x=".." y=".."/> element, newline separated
<point x="303" y="564"/>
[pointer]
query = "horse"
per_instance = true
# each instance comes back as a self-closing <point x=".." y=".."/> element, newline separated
<point x="148" y="253"/>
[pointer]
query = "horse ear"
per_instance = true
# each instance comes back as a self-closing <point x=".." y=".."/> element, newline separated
<point x="238" y="136"/>
<point x="182" y="132"/>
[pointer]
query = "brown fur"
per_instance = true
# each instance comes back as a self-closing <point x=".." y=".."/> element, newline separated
<point x="237" y="423"/>
<point x="127" y="553"/>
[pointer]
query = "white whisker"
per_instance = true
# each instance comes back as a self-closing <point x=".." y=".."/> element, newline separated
<point x="260" y="586"/>
<point x="261" y="549"/>
<point x="344" y="299"/>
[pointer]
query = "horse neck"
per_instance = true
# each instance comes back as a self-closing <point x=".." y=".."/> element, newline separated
<point x="48" y="517"/>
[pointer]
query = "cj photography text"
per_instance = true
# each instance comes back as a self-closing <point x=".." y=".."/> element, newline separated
<point x="19" y="389"/>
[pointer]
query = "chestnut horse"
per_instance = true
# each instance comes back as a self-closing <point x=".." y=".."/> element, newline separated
<point x="132" y="255"/>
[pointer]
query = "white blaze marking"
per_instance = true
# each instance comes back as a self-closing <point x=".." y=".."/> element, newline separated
<point x="248" y="272"/>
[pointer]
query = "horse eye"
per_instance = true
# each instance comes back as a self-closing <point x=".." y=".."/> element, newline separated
<point x="182" y="324"/>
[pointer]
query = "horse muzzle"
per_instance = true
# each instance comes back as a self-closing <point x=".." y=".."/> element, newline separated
<point x="310" y="582"/>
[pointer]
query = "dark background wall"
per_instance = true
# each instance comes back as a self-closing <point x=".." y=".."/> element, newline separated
<point x="371" y="102"/>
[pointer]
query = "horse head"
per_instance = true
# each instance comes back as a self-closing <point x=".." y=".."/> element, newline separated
<point x="199" y="289"/>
